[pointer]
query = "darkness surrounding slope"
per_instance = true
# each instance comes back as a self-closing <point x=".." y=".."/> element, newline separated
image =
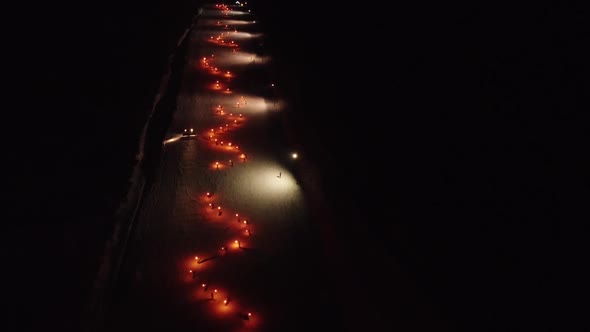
<point x="84" y="79"/>
<point x="469" y="147"/>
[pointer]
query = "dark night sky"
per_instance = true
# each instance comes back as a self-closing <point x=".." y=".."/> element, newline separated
<point x="476" y="115"/>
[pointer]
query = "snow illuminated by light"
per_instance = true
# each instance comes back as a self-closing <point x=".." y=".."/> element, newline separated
<point x="257" y="188"/>
<point x="262" y="179"/>
<point x="228" y="59"/>
<point x="230" y="13"/>
<point x="244" y="35"/>
<point x="236" y="13"/>
<point x="222" y="22"/>
<point x="256" y="105"/>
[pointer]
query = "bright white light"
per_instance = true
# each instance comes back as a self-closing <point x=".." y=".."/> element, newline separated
<point x="294" y="155"/>
<point x="173" y="139"/>
<point x="227" y="59"/>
